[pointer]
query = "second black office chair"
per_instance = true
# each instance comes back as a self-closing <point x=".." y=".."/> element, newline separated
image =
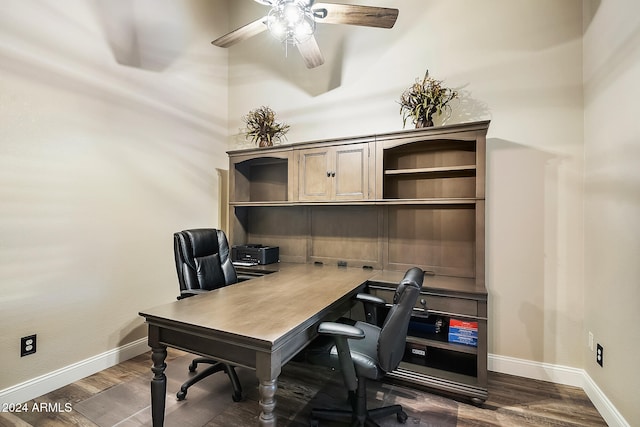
<point x="203" y="263"/>
<point x="364" y="351"/>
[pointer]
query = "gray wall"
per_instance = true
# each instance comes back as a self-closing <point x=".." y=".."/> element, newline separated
<point x="612" y="198"/>
<point x="113" y="121"/>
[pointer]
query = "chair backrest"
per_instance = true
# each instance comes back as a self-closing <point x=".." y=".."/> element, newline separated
<point x="202" y="259"/>
<point x="392" y="340"/>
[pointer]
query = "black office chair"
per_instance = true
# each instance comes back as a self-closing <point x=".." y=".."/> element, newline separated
<point x="203" y="263"/>
<point x="364" y="351"/>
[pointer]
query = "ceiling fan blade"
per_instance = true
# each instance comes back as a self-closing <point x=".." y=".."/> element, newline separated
<point x="367" y="16"/>
<point x="310" y="52"/>
<point x="242" y="33"/>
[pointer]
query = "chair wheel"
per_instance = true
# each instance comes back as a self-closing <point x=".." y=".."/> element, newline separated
<point x="314" y="423"/>
<point x="193" y="367"/>
<point x="237" y="397"/>
<point x="402" y="417"/>
<point x="181" y="395"/>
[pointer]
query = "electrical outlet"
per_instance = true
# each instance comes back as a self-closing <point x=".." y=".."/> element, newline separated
<point x="590" y="340"/>
<point x="600" y="354"/>
<point x="27" y="345"/>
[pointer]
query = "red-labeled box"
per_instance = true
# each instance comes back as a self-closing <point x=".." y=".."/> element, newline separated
<point x="463" y="324"/>
<point x="463" y="332"/>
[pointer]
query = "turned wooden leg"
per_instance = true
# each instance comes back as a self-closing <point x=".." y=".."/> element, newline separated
<point x="268" y="402"/>
<point x="158" y="385"/>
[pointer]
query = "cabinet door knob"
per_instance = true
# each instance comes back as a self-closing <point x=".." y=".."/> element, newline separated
<point x="333" y="174"/>
<point x="328" y="174"/>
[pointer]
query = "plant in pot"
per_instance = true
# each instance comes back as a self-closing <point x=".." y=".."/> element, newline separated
<point x="423" y="99"/>
<point x="261" y="127"/>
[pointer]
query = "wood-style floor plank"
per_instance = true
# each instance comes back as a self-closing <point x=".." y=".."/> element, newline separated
<point x="119" y="396"/>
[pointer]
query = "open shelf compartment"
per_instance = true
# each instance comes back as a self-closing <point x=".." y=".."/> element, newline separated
<point x="430" y="169"/>
<point x="262" y="179"/>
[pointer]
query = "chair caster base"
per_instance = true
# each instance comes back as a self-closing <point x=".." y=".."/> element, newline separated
<point x="182" y="394"/>
<point x="402" y="417"/>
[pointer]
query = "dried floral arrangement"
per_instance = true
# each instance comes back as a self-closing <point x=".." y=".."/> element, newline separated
<point x="261" y="126"/>
<point x="423" y="99"/>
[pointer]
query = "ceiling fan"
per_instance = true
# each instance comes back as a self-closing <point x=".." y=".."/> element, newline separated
<point x="293" y="22"/>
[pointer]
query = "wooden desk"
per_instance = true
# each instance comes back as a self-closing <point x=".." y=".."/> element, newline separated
<point x="259" y="324"/>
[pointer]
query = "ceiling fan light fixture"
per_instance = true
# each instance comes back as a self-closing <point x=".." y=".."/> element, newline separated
<point x="291" y="21"/>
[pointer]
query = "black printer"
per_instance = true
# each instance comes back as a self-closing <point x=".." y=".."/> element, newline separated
<point x="256" y="254"/>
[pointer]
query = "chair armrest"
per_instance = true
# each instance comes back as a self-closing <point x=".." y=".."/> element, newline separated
<point x="368" y="298"/>
<point x="192" y="292"/>
<point x="341" y="334"/>
<point x="370" y="304"/>
<point x="340" y="330"/>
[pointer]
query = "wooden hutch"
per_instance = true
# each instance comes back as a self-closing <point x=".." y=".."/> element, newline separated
<point x="384" y="202"/>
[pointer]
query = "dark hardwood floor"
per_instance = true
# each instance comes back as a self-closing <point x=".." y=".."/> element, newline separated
<point x="119" y="396"/>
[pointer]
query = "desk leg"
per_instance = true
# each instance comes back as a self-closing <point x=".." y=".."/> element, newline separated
<point x="158" y="385"/>
<point x="267" y="370"/>
<point x="267" y="390"/>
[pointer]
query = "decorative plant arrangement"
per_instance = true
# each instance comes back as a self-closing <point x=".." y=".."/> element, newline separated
<point x="423" y="99"/>
<point x="262" y="128"/>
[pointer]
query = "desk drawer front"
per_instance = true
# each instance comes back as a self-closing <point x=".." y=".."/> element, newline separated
<point x="451" y="305"/>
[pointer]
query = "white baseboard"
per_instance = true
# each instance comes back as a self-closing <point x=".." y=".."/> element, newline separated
<point x="536" y="370"/>
<point x="44" y="384"/>
<point x="560" y="375"/>
<point x="507" y="365"/>
<point x="603" y="404"/>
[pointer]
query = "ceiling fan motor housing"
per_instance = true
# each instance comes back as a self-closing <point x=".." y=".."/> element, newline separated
<point x="291" y="21"/>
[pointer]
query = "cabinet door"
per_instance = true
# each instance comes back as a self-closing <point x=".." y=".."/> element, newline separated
<point x="314" y="177"/>
<point x="351" y="170"/>
<point x="334" y="173"/>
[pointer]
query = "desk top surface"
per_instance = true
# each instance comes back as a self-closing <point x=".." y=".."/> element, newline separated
<point x="264" y="309"/>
